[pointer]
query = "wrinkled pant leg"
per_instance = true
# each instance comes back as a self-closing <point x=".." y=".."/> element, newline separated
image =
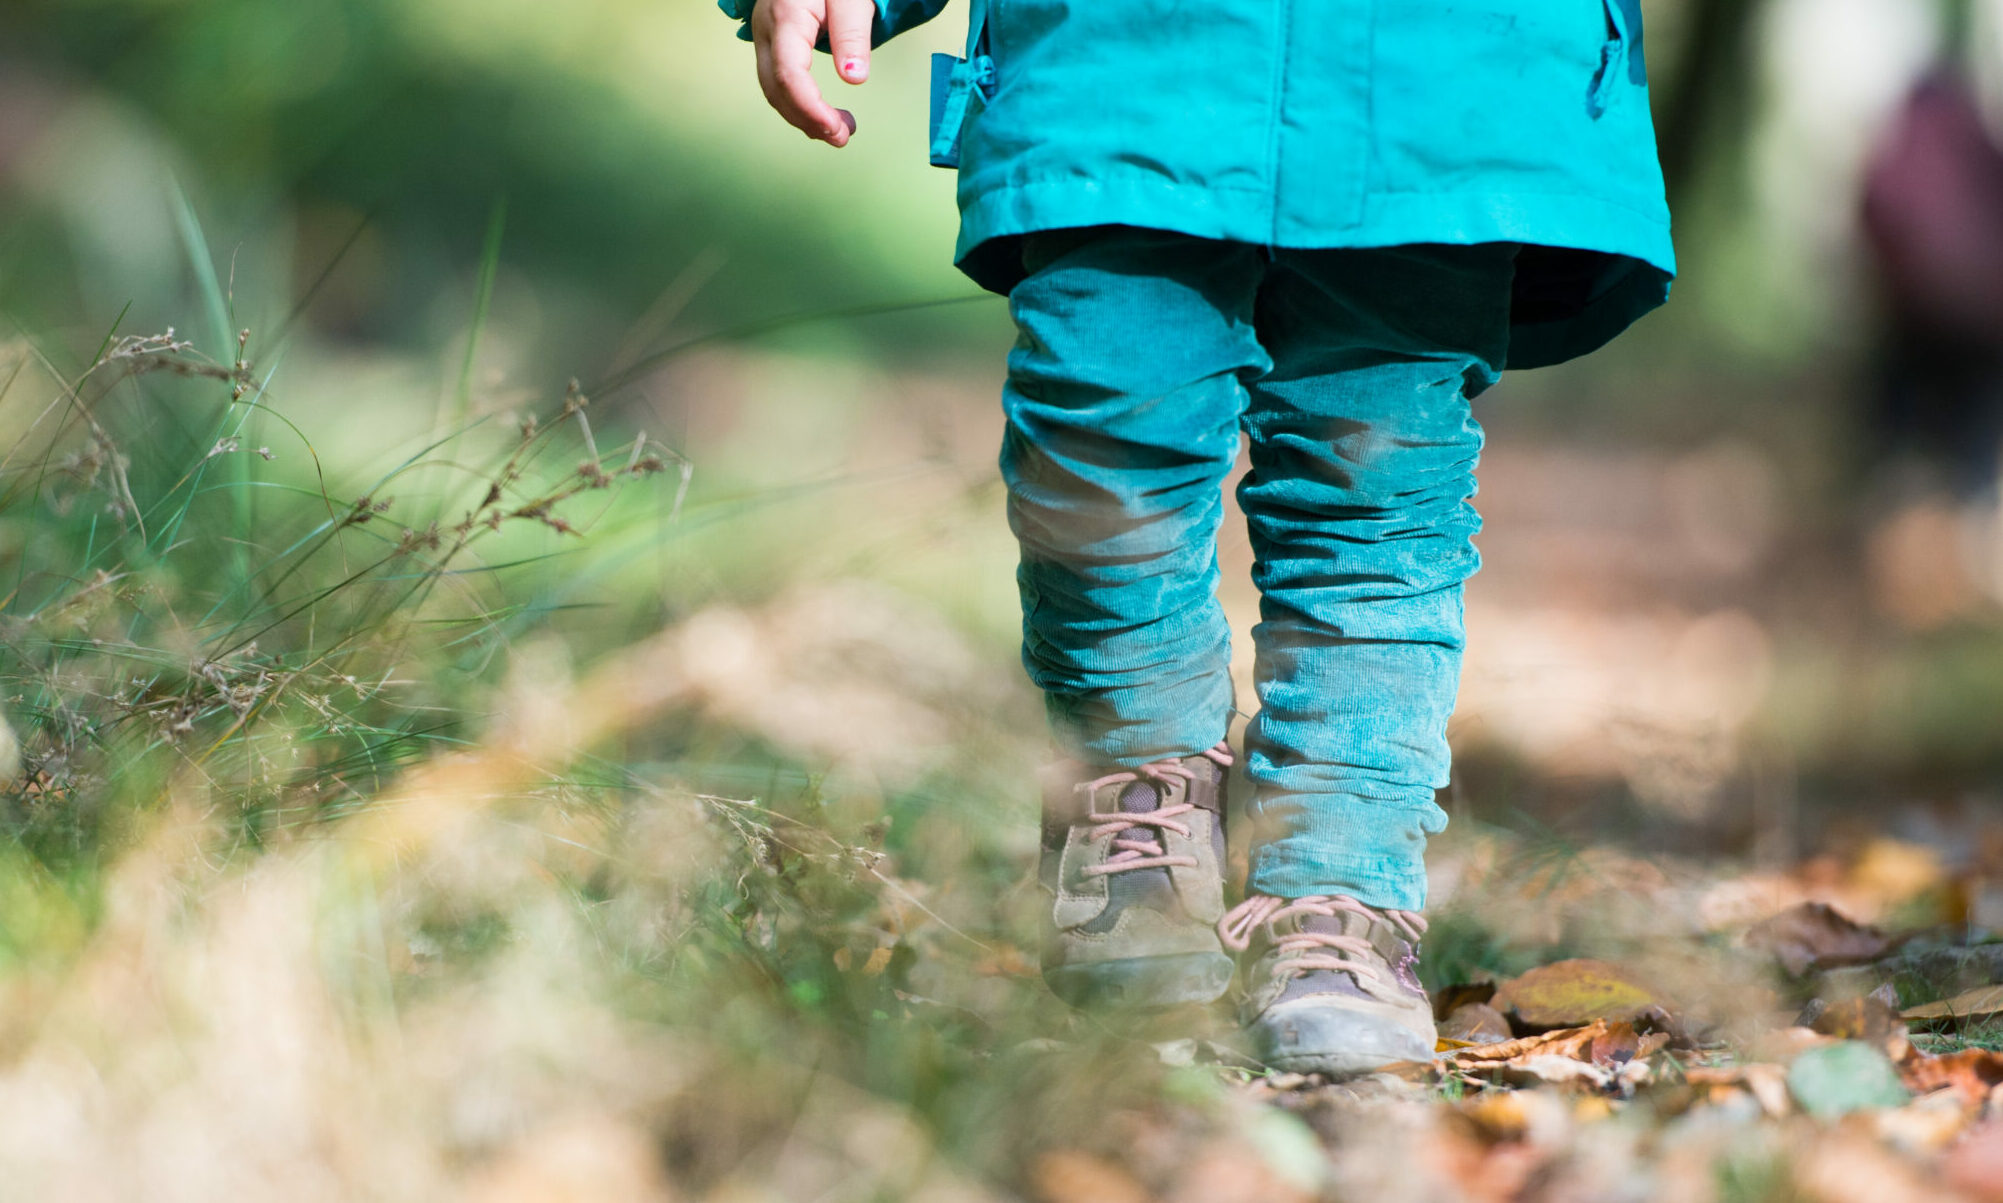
<point x="1363" y="451"/>
<point x="1123" y="398"/>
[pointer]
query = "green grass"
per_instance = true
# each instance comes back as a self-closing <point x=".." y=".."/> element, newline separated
<point x="225" y="646"/>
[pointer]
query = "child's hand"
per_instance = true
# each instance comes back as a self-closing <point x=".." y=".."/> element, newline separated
<point x="785" y="32"/>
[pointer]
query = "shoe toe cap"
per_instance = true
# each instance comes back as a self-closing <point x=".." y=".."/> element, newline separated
<point x="1317" y="1036"/>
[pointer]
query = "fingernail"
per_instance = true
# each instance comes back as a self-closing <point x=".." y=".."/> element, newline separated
<point x="854" y="66"/>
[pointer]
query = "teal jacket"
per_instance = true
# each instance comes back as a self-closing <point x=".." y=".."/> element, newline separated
<point x="1318" y="123"/>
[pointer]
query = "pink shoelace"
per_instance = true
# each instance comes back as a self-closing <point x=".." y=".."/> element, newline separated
<point x="1306" y="951"/>
<point x="1139" y="844"/>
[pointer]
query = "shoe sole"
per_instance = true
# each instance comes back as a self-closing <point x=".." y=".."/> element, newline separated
<point x="1337" y="1043"/>
<point x="1143" y="982"/>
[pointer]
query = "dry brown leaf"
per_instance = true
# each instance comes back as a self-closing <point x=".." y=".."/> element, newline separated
<point x="1498" y="1142"/>
<point x="1622" y="1044"/>
<point x="1785" y="1044"/>
<point x="1767" y="1084"/>
<point x="1869" y="1018"/>
<point x="1973" y="1004"/>
<point x="1971" y="1073"/>
<point x="1924" y="1126"/>
<point x="1600" y="1055"/>
<point x="1576" y="1043"/>
<point x="1592" y="1109"/>
<point x="1839" y="1168"/>
<point x="1548" y="1069"/>
<point x="1510" y="1115"/>
<point x="1410" y="1071"/>
<point x="1483" y="1170"/>
<point x="1815" y="935"/>
<point x="1889" y="872"/>
<point x="1069" y="1176"/>
<point x="1569" y="993"/>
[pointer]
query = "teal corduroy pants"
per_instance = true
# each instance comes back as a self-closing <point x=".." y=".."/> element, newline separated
<point x="1142" y="357"/>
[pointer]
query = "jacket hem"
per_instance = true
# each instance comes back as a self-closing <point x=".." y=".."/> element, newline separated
<point x="1640" y="264"/>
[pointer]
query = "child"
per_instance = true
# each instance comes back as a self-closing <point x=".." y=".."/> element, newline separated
<point x="1328" y="224"/>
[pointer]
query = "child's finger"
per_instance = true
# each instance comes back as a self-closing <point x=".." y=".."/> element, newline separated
<point x="849" y="26"/>
<point x="775" y="96"/>
<point x="792" y="88"/>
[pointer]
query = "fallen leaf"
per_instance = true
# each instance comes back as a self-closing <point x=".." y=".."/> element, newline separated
<point x="1548" y="1069"/>
<point x="1622" y="1044"/>
<point x="1974" y="1004"/>
<point x="1571" y="1042"/>
<point x="1844" y="1077"/>
<point x="1592" y="1109"/>
<point x="1410" y="1071"/>
<point x="1815" y="935"/>
<point x="1475" y="1023"/>
<point x="1975" y="1165"/>
<point x="1839" y="1168"/>
<point x="1869" y="1018"/>
<point x="1485" y="1168"/>
<point x="1068" y="1176"/>
<point x="1785" y="1044"/>
<point x="1924" y="1126"/>
<point x="1889" y="872"/>
<point x="1971" y="1073"/>
<point x="1569" y="993"/>
<point x="1766" y="1083"/>
<point x="1508" y="1115"/>
<point x="1600" y="1055"/>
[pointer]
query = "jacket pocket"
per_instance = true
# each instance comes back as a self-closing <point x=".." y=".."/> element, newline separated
<point x="1621" y="58"/>
<point x="955" y="81"/>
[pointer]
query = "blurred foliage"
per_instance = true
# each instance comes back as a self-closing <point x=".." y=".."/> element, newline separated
<point x="605" y="125"/>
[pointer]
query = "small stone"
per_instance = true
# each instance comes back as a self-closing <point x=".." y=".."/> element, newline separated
<point x="1476" y="1023"/>
<point x="1844" y="1077"/>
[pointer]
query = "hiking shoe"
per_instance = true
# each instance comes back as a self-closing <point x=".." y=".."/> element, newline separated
<point x="1135" y="861"/>
<point x="1330" y="986"/>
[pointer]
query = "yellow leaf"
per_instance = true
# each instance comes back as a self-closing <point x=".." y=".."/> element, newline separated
<point x="1572" y="993"/>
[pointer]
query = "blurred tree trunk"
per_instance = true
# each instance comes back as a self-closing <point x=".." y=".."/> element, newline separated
<point x="1707" y="114"/>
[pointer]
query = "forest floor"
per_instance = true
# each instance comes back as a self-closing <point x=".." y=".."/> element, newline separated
<point x="552" y="831"/>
